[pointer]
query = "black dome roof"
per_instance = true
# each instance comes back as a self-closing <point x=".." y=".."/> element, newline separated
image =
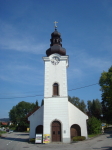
<point x="56" y="46"/>
<point x="56" y="33"/>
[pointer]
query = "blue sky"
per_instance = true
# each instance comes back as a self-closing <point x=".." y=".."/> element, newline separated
<point x="25" y="32"/>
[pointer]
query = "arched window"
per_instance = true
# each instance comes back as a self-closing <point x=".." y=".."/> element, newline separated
<point x="55" y="89"/>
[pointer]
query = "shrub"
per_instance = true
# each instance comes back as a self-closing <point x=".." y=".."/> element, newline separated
<point x="1" y="132"/>
<point x="108" y="129"/>
<point x="13" y="127"/>
<point x="94" y="126"/>
<point x="79" y="138"/>
<point x="32" y="140"/>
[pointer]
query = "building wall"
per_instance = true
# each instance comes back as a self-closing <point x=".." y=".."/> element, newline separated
<point x="56" y="107"/>
<point x="55" y="73"/>
<point x="76" y="116"/>
<point x="35" y="119"/>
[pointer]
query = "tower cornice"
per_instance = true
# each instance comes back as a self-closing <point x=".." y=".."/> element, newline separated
<point x="66" y="57"/>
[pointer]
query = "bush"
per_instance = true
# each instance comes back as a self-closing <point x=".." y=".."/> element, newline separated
<point x="108" y="129"/>
<point x="94" y="126"/>
<point x="1" y="132"/>
<point x="79" y="138"/>
<point x="32" y="140"/>
<point x="13" y="127"/>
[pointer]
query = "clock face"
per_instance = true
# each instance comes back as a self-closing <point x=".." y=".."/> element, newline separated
<point x="55" y="60"/>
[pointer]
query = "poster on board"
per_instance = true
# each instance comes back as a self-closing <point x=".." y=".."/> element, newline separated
<point x="46" y="138"/>
<point x="38" y="138"/>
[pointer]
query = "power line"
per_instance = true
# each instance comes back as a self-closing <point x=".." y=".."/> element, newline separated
<point x="83" y="87"/>
<point x="22" y="92"/>
<point x="22" y="97"/>
<point x="43" y="95"/>
<point x="27" y="92"/>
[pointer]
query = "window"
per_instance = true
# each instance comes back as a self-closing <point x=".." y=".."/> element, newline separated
<point x="58" y="132"/>
<point x="55" y="89"/>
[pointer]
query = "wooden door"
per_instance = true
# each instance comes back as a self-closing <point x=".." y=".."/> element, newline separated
<point x="73" y="133"/>
<point x="75" y="130"/>
<point x="56" y="131"/>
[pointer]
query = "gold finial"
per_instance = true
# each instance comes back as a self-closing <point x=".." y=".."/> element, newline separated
<point x="55" y="24"/>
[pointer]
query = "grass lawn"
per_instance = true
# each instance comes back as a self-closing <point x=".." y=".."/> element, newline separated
<point x="26" y="131"/>
<point x="92" y="135"/>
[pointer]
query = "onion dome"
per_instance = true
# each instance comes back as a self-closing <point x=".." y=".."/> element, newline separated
<point x="56" y="46"/>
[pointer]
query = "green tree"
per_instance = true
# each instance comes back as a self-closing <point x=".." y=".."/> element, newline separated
<point x="94" y="125"/>
<point x="76" y="102"/>
<point x="13" y="115"/>
<point x="36" y="104"/>
<point x="42" y="102"/>
<point x="106" y="88"/>
<point x="89" y="106"/>
<point x="82" y="106"/>
<point x="79" y="104"/>
<point x="69" y="99"/>
<point x="94" y="108"/>
<point x="19" y="112"/>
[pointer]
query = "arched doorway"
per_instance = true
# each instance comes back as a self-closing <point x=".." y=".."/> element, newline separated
<point x="39" y="129"/>
<point x="75" y="131"/>
<point x="56" y="131"/>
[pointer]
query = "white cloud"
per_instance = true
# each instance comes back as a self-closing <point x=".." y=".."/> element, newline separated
<point x="83" y="64"/>
<point x="13" y="39"/>
<point x="97" y="64"/>
<point x="75" y="73"/>
<point x="22" y="74"/>
<point x="5" y="78"/>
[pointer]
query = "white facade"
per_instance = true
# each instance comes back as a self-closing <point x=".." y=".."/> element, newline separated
<point x="55" y="73"/>
<point x="35" y="119"/>
<point x="57" y="108"/>
<point x="76" y="116"/>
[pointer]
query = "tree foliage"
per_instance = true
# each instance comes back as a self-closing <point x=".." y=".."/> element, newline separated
<point x="94" y="108"/>
<point x="18" y="113"/>
<point x="106" y="88"/>
<point x="94" y="125"/>
<point x="78" y="103"/>
<point x="36" y="104"/>
<point x="42" y="102"/>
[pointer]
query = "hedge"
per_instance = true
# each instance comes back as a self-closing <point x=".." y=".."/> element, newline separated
<point x="79" y="138"/>
<point x="32" y="140"/>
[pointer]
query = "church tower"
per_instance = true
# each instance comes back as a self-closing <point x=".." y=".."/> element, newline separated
<point x="55" y="115"/>
<point x="57" y="118"/>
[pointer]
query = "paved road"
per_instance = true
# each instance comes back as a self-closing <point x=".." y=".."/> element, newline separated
<point x="19" y="141"/>
<point x="13" y="140"/>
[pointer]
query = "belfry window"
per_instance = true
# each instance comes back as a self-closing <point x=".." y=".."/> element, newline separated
<point x="55" y="89"/>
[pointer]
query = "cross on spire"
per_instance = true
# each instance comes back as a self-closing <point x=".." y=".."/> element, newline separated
<point x="55" y="24"/>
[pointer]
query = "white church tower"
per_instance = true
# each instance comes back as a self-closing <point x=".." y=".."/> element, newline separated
<point x="57" y="118"/>
<point x="55" y="91"/>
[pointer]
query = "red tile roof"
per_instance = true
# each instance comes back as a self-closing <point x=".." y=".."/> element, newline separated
<point x="4" y="123"/>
